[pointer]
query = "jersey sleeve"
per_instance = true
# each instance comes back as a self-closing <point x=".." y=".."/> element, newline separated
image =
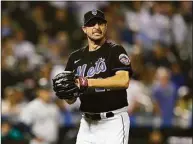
<point x="69" y="65"/>
<point x="120" y="60"/>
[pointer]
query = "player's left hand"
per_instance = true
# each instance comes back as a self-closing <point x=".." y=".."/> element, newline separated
<point x="65" y="85"/>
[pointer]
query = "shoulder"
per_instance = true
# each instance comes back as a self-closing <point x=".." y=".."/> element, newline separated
<point x="116" y="48"/>
<point x="112" y="44"/>
<point x="55" y="107"/>
<point x="78" y="52"/>
<point x="32" y="105"/>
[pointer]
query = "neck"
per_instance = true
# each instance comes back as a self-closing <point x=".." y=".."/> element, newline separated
<point x="94" y="45"/>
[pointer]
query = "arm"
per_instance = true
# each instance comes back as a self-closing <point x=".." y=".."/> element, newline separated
<point x="119" y="80"/>
<point x="120" y="69"/>
<point x="69" y="67"/>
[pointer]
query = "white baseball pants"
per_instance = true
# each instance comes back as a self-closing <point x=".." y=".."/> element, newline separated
<point x="114" y="130"/>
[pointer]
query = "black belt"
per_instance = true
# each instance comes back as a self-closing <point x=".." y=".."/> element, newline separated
<point x="98" y="116"/>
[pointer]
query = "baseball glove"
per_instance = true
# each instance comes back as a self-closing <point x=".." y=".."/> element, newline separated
<point x="64" y="85"/>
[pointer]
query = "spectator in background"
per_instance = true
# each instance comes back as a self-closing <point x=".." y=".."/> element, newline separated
<point x="175" y="21"/>
<point x="179" y="28"/>
<point x="43" y="44"/>
<point x="60" y="22"/>
<point x="13" y="103"/>
<point x="35" y="23"/>
<point x="38" y="17"/>
<point x="70" y="117"/>
<point x="45" y="71"/>
<point x="164" y="94"/>
<point x="55" y="54"/>
<point x="126" y="34"/>
<point x="139" y="21"/>
<point x="115" y="28"/>
<point x="6" y="27"/>
<point x="138" y="101"/>
<point x="43" y="76"/>
<point x="40" y="118"/>
<point x="161" y="23"/>
<point x="10" y="135"/>
<point x="24" y="49"/>
<point x="65" y="21"/>
<point x="8" y="65"/>
<point x="62" y="39"/>
<point x="183" y="109"/>
<point x="159" y="56"/>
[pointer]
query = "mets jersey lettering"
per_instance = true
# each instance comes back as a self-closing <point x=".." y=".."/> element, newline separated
<point x="100" y="66"/>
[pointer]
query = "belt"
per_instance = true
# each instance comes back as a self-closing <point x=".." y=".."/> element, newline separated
<point x="98" y="116"/>
<point x="104" y="115"/>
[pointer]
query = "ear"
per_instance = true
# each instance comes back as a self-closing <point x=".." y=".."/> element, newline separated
<point x="84" y="29"/>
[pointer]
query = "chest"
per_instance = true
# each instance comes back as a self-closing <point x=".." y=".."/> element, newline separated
<point x="94" y="65"/>
<point x="45" y="113"/>
<point x="165" y="95"/>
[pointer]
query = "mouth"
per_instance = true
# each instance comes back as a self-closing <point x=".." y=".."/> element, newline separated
<point x="97" y="33"/>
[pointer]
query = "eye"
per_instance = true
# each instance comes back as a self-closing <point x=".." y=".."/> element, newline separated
<point x="94" y="22"/>
<point x="100" y="22"/>
<point x="91" y="23"/>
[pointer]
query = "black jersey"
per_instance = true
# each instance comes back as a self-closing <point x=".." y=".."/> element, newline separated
<point x="102" y="63"/>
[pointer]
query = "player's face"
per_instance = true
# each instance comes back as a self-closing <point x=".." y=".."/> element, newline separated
<point x="95" y="29"/>
<point x="44" y="94"/>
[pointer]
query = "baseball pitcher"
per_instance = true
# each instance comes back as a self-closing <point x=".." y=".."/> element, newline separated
<point x="98" y="74"/>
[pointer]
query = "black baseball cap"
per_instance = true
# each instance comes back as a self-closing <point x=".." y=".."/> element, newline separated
<point x="95" y="13"/>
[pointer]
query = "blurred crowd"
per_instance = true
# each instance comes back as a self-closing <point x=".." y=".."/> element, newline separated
<point x="37" y="38"/>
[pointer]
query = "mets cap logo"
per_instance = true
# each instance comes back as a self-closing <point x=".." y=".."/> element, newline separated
<point x="94" y="12"/>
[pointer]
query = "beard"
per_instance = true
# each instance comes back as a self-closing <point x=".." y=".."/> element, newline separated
<point x="96" y="40"/>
